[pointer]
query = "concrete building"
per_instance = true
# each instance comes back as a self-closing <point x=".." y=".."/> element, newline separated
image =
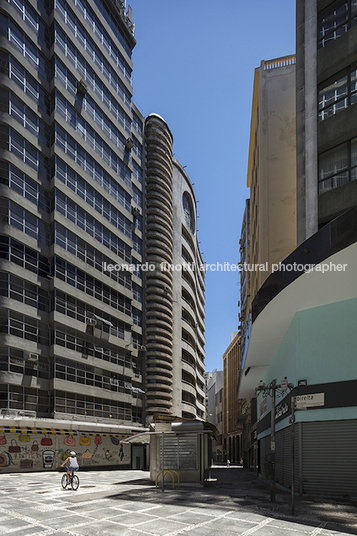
<point x="175" y="286"/>
<point x="215" y="411"/>
<point x="326" y="118"/>
<point x="71" y="204"/>
<point x="303" y="320"/>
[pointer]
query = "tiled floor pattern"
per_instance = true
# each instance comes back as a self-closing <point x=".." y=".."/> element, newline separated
<point x="113" y="503"/>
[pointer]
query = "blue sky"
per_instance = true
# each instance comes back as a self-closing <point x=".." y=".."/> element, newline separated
<point x="194" y="65"/>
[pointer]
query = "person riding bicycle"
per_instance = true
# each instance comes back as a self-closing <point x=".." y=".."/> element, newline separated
<point x="73" y="465"/>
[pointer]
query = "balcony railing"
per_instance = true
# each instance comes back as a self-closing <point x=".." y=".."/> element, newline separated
<point x="279" y="62"/>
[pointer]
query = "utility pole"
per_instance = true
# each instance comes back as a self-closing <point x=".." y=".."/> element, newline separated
<point x="272" y="439"/>
<point x="270" y="390"/>
<point x="292" y="419"/>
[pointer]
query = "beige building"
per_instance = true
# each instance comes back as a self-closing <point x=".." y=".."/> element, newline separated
<point x="268" y="232"/>
<point x="272" y="167"/>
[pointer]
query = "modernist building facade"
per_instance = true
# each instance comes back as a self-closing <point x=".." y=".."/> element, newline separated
<point x="303" y="321"/>
<point x="71" y="204"/>
<point x="175" y="286"/>
<point x="75" y="233"/>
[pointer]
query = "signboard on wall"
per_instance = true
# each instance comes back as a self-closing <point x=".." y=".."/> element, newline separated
<point x="309" y="401"/>
<point x="163" y="427"/>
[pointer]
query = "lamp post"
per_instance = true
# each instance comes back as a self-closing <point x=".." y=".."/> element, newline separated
<point x="271" y="390"/>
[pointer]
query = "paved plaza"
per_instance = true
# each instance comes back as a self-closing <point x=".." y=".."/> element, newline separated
<point x="125" y="503"/>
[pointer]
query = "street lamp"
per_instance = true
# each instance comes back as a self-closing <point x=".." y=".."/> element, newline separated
<point x="273" y="389"/>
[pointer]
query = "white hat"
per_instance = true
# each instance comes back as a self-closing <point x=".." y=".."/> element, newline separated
<point x="73" y="453"/>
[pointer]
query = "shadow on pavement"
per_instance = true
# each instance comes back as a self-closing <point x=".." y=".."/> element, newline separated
<point x="238" y="488"/>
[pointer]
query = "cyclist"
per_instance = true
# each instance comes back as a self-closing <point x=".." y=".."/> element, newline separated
<point x="73" y="465"/>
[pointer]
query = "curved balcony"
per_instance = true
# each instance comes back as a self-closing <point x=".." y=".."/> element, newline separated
<point x="153" y="396"/>
<point x="161" y="327"/>
<point x="159" y="362"/>
<point x="189" y="408"/>
<point x="155" y="408"/>
<point x="159" y="252"/>
<point x="154" y="308"/>
<point x="156" y="365"/>
<point x="159" y="383"/>
<point x="188" y="367"/>
<point x="188" y="388"/>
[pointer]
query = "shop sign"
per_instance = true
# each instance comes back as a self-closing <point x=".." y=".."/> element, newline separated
<point x="281" y="409"/>
<point x="163" y="427"/>
<point x="309" y="401"/>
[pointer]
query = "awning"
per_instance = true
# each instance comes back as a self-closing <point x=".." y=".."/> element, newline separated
<point x="141" y="439"/>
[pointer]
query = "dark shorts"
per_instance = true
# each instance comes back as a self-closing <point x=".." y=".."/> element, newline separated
<point x="72" y="469"/>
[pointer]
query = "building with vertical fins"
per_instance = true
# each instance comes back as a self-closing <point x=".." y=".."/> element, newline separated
<point x="174" y="295"/>
<point x="71" y="198"/>
<point x="159" y="283"/>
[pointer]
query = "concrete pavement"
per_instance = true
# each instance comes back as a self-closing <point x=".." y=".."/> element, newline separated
<point x="127" y="504"/>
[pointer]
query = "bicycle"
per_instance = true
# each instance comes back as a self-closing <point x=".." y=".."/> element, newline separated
<point x="73" y="481"/>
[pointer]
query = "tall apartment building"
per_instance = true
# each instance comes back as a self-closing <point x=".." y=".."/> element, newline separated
<point x="174" y="296"/>
<point x="71" y="203"/>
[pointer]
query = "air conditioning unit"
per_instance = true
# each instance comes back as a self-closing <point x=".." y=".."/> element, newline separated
<point x="82" y="87"/>
<point x="135" y="211"/>
<point x="34" y="358"/>
<point x="91" y="321"/>
<point x="129" y="144"/>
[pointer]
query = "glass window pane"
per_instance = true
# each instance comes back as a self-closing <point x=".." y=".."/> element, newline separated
<point x="333" y="162"/>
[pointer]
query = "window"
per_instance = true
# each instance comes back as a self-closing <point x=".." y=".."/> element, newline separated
<point x="21" y="183"/>
<point x="91" y="226"/>
<point x="27" y="49"/>
<point x="338" y="94"/>
<point x="25" y="221"/>
<point x="83" y="159"/>
<point x="28" y="153"/>
<point x="69" y="306"/>
<point x="338" y="166"/>
<point x="78" y="279"/>
<point x="336" y="20"/>
<point x="188" y="211"/>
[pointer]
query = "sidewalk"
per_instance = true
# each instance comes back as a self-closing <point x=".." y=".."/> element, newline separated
<point x="126" y="503"/>
<point x="246" y="489"/>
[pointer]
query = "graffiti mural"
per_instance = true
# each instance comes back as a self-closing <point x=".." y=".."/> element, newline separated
<point x="46" y="449"/>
